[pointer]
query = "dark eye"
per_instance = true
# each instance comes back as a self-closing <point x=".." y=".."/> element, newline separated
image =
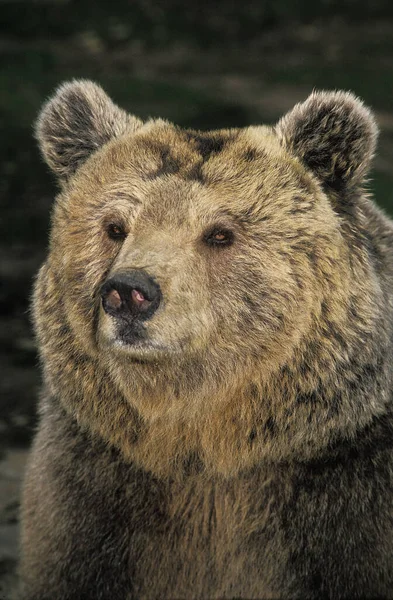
<point x="116" y="231"/>
<point x="219" y="237"/>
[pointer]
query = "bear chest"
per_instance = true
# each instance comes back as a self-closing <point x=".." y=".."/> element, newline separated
<point x="211" y="540"/>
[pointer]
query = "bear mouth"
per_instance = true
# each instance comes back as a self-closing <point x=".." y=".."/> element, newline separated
<point x="129" y="339"/>
<point x="134" y="344"/>
<point x="141" y="352"/>
<point x="131" y="333"/>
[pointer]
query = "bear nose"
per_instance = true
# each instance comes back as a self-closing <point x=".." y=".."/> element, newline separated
<point x="132" y="294"/>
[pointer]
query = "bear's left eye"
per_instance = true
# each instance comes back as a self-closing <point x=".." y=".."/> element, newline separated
<point x="219" y="237"/>
<point x="116" y="231"/>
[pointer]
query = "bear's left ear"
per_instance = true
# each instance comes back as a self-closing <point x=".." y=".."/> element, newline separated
<point x="77" y="121"/>
<point x="334" y="135"/>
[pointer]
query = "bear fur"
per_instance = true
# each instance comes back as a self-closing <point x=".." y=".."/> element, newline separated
<point x="241" y="447"/>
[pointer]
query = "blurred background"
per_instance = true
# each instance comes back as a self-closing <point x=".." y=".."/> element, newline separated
<point x="202" y="64"/>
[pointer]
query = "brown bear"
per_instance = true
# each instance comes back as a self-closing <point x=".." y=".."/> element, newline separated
<point x="215" y="324"/>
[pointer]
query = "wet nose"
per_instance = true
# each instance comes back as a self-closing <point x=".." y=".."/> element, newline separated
<point x="132" y="294"/>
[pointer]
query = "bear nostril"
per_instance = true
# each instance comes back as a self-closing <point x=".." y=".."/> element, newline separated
<point x="113" y="299"/>
<point x="137" y="296"/>
<point x="139" y="300"/>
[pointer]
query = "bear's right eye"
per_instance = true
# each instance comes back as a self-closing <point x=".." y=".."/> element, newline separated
<point x="116" y="232"/>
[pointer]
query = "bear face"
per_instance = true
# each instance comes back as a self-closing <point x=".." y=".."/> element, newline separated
<point x="219" y="253"/>
<point x="221" y="283"/>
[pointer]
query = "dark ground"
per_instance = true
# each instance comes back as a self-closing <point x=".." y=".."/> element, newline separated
<point x="226" y="74"/>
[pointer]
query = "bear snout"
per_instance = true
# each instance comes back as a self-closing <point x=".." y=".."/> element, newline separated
<point x="134" y="294"/>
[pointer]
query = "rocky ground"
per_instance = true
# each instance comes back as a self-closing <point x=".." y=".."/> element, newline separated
<point x="220" y="85"/>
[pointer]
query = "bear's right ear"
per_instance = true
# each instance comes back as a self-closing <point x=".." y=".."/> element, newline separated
<point x="78" y="120"/>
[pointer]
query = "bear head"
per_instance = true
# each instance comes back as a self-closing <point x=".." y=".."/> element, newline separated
<point x="217" y="283"/>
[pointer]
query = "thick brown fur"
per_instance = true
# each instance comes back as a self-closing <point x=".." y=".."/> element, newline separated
<point x="244" y="449"/>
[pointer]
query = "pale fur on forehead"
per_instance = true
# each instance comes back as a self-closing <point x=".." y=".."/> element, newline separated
<point x="334" y="135"/>
<point x="76" y="122"/>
